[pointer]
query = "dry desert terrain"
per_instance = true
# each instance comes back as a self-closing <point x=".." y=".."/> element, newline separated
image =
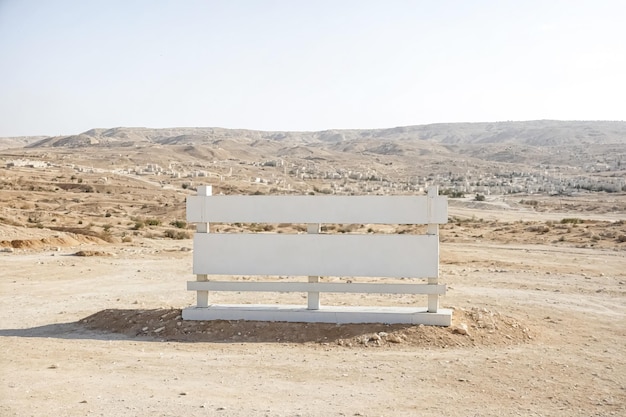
<point x="94" y="261"/>
<point x="102" y="334"/>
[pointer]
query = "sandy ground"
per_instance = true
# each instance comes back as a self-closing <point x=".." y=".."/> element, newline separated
<point x="539" y="282"/>
<point x="80" y="336"/>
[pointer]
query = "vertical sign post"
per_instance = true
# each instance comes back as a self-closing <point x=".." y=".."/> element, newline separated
<point x="313" y="298"/>
<point x="203" y="296"/>
<point x="433" y="229"/>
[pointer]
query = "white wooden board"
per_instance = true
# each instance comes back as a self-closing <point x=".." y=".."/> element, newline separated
<point x="335" y="287"/>
<point x="373" y="255"/>
<point x="327" y="314"/>
<point x="318" y="209"/>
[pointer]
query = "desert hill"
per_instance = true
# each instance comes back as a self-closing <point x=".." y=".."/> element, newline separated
<point x="533" y="133"/>
<point x="546" y="156"/>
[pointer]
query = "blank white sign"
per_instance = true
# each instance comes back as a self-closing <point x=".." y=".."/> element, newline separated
<point x="318" y="209"/>
<point x="394" y="256"/>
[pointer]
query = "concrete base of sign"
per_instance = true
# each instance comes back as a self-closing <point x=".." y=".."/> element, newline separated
<point x="327" y="314"/>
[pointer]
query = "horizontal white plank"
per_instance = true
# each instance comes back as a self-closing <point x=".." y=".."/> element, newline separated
<point x="372" y="255"/>
<point x="318" y="209"/>
<point x="326" y="314"/>
<point x="334" y="287"/>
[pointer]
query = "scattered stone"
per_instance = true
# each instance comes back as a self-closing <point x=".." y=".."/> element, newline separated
<point x="159" y="330"/>
<point x="460" y="329"/>
<point x="374" y="338"/>
<point x="91" y="253"/>
<point x="53" y="366"/>
<point x="394" y="339"/>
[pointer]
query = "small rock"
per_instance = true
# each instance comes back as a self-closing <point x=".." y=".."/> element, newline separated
<point x="461" y="329"/>
<point x="83" y="402"/>
<point x="159" y="330"/>
<point x="394" y="339"/>
<point x="374" y="338"/>
<point x="53" y="366"/>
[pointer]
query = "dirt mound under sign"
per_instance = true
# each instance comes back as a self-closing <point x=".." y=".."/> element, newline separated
<point x="475" y="327"/>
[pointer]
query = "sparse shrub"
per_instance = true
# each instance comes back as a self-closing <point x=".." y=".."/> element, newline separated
<point x="106" y="227"/>
<point x="621" y="238"/>
<point x="533" y="203"/>
<point x="153" y="222"/>
<point x="179" y="224"/>
<point x="107" y="214"/>
<point x="322" y="190"/>
<point x="572" y="220"/>
<point x="106" y="236"/>
<point x="538" y="229"/>
<point x="349" y="228"/>
<point x="452" y="193"/>
<point x="176" y="234"/>
<point x="479" y="197"/>
<point x="127" y="239"/>
<point x="139" y="225"/>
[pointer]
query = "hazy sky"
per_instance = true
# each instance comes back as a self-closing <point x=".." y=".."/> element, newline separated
<point x="68" y="66"/>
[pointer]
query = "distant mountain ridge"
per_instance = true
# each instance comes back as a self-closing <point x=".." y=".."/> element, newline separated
<point x="534" y="133"/>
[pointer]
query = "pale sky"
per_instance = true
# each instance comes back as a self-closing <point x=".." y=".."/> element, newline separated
<point x="70" y="65"/>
